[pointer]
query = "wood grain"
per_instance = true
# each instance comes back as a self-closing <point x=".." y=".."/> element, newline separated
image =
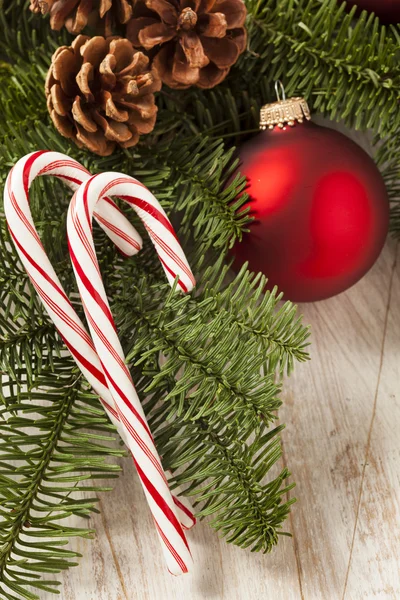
<point x="342" y="443"/>
<point x="329" y="410"/>
<point x="374" y="565"/>
<point x="125" y="562"/>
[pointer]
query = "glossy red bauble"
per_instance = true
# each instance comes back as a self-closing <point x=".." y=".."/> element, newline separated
<point x="387" y="10"/>
<point x="321" y="210"/>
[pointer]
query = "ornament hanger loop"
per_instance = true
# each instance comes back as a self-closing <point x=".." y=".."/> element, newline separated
<point x="279" y="89"/>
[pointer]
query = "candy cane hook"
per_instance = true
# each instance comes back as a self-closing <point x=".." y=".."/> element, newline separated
<point x="71" y="172"/>
<point x="107" y="344"/>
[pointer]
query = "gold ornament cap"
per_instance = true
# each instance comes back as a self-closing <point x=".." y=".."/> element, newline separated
<point x="284" y="111"/>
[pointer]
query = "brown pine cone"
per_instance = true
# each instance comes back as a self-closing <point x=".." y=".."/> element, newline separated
<point x="76" y="14"/>
<point x="40" y="6"/>
<point x="195" y="41"/>
<point x="100" y="93"/>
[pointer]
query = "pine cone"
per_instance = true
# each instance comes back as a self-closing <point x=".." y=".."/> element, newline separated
<point x="40" y="6"/>
<point x="196" y="41"/>
<point x="75" y="14"/>
<point x="100" y="93"/>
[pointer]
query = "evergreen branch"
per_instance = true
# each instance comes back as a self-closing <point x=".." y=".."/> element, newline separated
<point x="200" y="423"/>
<point x="23" y="346"/>
<point x="319" y="51"/>
<point x="281" y="337"/>
<point x="57" y="461"/>
<point x="388" y="158"/>
<point x="226" y="478"/>
<point x="233" y="390"/>
<point x="219" y="466"/>
<point x="346" y="66"/>
<point x="200" y="169"/>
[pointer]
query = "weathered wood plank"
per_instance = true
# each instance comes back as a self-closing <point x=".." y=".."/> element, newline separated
<point x="125" y="562"/>
<point x="328" y="410"/>
<point x="374" y="568"/>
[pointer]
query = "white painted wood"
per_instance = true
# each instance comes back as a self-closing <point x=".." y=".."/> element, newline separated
<point x="328" y="411"/>
<point x="374" y="568"/>
<point x="125" y="562"/>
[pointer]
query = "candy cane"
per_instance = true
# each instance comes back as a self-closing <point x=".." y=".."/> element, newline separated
<point x="45" y="280"/>
<point x="107" y="344"/>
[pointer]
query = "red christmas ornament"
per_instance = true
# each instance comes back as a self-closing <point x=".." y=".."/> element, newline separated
<point x="387" y="10"/>
<point x="320" y="205"/>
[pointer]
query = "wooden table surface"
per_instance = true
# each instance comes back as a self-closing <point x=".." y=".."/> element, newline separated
<point x="342" y="443"/>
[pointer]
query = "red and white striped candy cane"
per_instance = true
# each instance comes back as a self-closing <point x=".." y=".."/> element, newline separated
<point x="45" y="280"/>
<point x="106" y="341"/>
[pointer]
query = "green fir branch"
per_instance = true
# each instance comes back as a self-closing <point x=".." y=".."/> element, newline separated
<point x="47" y="457"/>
